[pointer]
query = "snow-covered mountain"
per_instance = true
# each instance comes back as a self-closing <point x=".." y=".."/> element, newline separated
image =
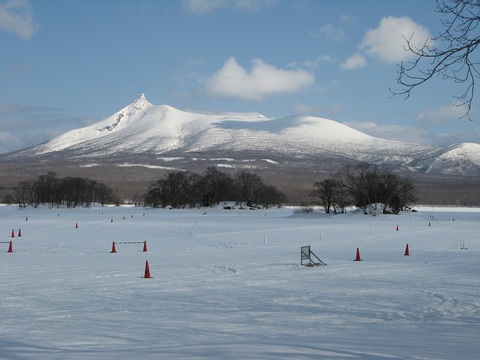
<point x="456" y="159"/>
<point x="150" y="135"/>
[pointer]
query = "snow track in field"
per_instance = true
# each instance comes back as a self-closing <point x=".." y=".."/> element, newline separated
<point x="229" y="284"/>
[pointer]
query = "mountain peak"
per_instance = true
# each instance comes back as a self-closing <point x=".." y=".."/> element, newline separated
<point x="146" y="131"/>
<point x="127" y="113"/>
<point x="137" y="105"/>
<point x="140" y="98"/>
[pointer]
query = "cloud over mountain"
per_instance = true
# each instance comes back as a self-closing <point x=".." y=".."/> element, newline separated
<point x="232" y="80"/>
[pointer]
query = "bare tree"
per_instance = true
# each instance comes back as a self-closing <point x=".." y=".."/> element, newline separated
<point x="24" y="193"/>
<point x="172" y="190"/>
<point x="246" y="186"/>
<point x="452" y="54"/>
<point x="215" y="186"/>
<point x="269" y="195"/>
<point x="68" y="191"/>
<point x="370" y="185"/>
<point x="325" y="191"/>
<point x="179" y="189"/>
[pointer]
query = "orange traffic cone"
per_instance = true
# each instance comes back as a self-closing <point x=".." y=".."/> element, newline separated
<point x="407" y="253"/>
<point x="10" y="247"/>
<point x="357" y="258"/>
<point x="144" y="246"/>
<point x="19" y="232"/>
<point x="397" y="227"/>
<point x="13" y="233"/>
<point x="76" y="225"/>
<point x="114" y="250"/>
<point x="147" y="271"/>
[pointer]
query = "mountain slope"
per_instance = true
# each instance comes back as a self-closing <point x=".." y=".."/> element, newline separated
<point x="143" y="127"/>
<point x="456" y="159"/>
<point x="148" y="134"/>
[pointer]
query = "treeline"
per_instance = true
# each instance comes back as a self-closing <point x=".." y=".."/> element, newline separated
<point x="183" y="189"/>
<point x="68" y="191"/>
<point x="362" y="186"/>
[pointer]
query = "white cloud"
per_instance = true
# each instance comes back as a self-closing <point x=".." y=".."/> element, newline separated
<point x="355" y="61"/>
<point x="16" y="17"/>
<point x="347" y="19"/>
<point x="420" y="134"/>
<point x="387" y="41"/>
<point x="328" y="32"/>
<point x="307" y="109"/>
<point x="392" y="132"/>
<point x="442" y="115"/>
<point x="262" y="80"/>
<point x="201" y="7"/>
<point x="22" y="126"/>
<point x="330" y="111"/>
<point x="8" y="142"/>
<point x="315" y="63"/>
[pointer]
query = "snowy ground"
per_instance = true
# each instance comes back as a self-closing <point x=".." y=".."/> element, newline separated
<point x="229" y="285"/>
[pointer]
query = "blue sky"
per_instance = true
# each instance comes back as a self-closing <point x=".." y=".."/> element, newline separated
<point x="68" y="64"/>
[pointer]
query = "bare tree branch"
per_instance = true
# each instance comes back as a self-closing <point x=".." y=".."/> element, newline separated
<point x="451" y="54"/>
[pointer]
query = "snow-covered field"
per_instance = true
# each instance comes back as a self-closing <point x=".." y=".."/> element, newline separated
<point x="229" y="285"/>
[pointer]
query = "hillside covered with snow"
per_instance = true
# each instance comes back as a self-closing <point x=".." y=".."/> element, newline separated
<point x="229" y="284"/>
<point x="148" y="134"/>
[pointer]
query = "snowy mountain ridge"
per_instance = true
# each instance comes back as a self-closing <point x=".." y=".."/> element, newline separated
<point x="155" y="132"/>
<point x="461" y="158"/>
